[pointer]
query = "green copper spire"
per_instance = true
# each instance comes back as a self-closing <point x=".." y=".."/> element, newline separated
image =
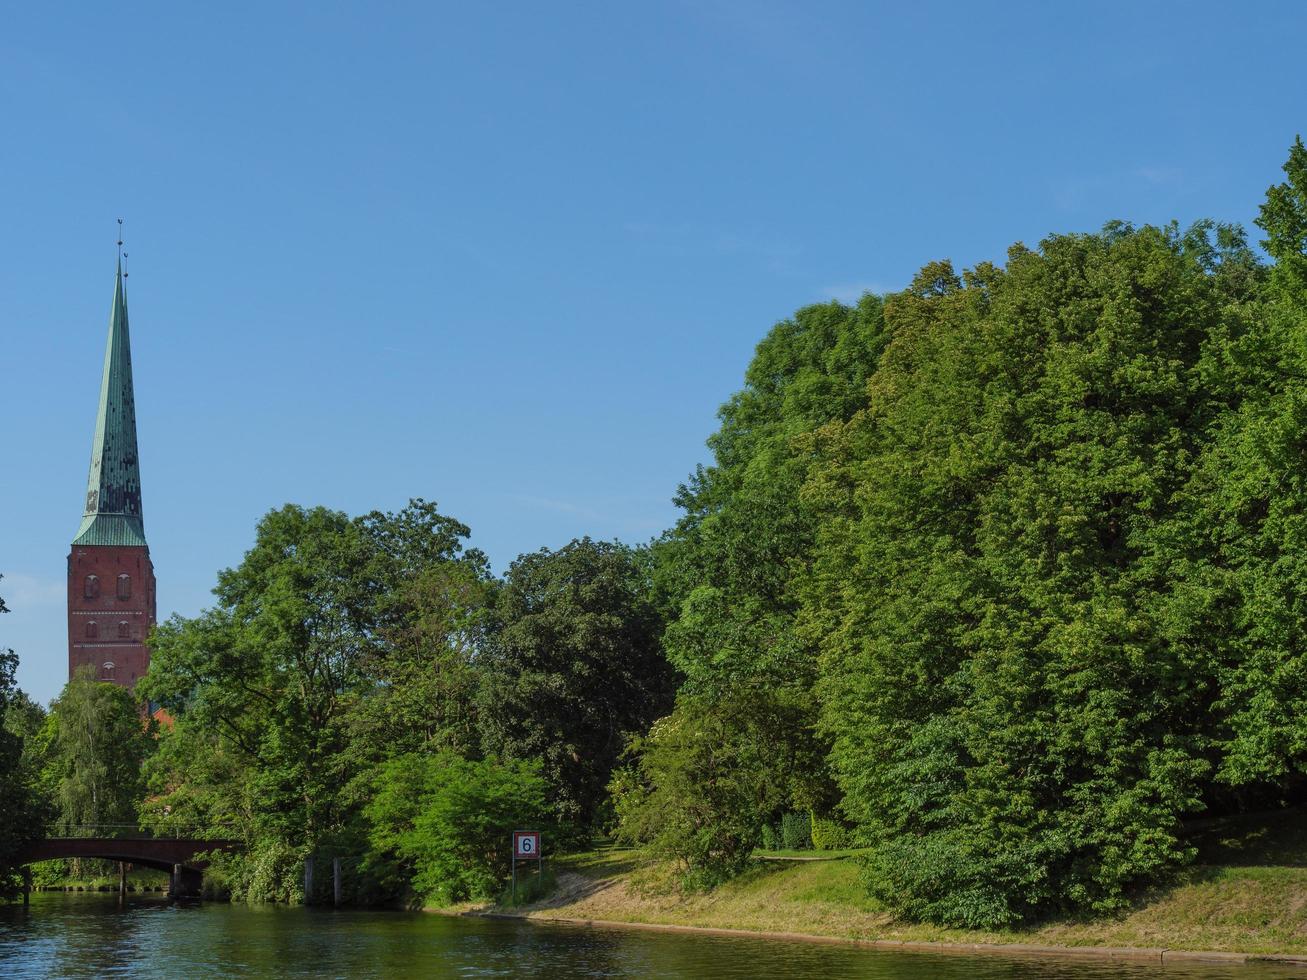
<point x="113" y="490"/>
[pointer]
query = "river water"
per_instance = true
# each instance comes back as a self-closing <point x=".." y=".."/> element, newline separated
<point x="91" y="935"/>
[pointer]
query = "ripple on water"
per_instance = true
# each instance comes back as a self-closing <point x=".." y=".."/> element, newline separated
<point x="94" y="936"/>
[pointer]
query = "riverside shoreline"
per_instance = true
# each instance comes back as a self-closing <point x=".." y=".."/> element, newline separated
<point x="1245" y="902"/>
<point x="1133" y="953"/>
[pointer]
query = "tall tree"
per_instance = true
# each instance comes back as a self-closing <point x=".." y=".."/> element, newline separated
<point x="1242" y="594"/>
<point x="1012" y="728"/>
<point x="97" y="742"/>
<point x="19" y="815"/>
<point x="314" y="664"/>
<point x="430" y="610"/>
<point x="729" y="574"/>
<point x="572" y="667"/>
<point x="728" y="567"/>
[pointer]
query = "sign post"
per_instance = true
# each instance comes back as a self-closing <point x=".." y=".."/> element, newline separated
<point x="526" y="847"/>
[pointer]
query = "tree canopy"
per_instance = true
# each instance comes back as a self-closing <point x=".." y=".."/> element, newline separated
<point x="1000" y="576"/>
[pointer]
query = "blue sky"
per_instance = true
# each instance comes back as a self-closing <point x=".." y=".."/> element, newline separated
<point x="512" y="256"/>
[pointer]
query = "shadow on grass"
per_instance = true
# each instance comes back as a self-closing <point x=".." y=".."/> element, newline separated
<point x="1274" y="839"/>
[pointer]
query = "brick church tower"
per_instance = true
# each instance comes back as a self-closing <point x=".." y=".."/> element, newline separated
<point x="110" y="576"/>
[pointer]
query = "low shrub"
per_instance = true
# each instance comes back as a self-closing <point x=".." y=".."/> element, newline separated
<point x="448" y="821"/>
<point x="830" y="834"/>
<point x="796" y="831"/>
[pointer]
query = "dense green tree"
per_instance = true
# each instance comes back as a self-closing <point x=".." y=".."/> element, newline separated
<point x="447" y="821"/>
<point x="729" y="570"/>
<point x="271" y="667"/>
<point x="335" y="644"/>
<point x="704" y="778"/>
<point x="20" y="817"/>
<point x="572" y="667"/>
<point x="26" y="719"/>
<point x="97" y="738"/>
<point x="1012" y="729"/>
<point x="728" y="567"/>
<point x="1238" y="595"/>
<point x="1283" y="217"/>
<point x="424" y="682"/>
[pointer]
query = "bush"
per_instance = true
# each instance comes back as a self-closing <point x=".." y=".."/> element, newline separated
<point x="533" y="884"/>
<point x="705" y="778"/>
<point x="272" y="870"/>
<point x="448" y="821"/>
<point x="771" y="837"/>
<point x="796" y="832"/>
<point x="955" y="880"/>
<point x="830" y="834"/>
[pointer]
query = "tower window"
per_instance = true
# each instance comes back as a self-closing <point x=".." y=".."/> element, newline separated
<point x="91" y="588"/>
<point x="92" y="630"/>
<point x="106" y="671"/>
<point x="124" y="586"/>
<point x="124" y="630"/>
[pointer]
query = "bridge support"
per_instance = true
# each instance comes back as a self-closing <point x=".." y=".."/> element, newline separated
<point x="185" y="882"/>
<point x="122" y="879"/>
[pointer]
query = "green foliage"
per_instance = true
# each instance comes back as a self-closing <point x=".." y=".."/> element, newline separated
<point x="572" y="666"/>
<point x="534" y="882"/>
<point x="728" y="570"/>
<point x="830" y="834"/>
<point x="19" y="815"/>
<point x="1238" y="596"/>
<point x="704" y="777"/>
<point x="728" y="566"/>
<point x="335" y="644"/>
<point x="1012" y="727"/>
<point x="448" y="821"/>
<point x="796" y="831"/>
<point x="97" y="737"/>
<point x="1284" y="219"/>
<point x="271" y="871"/>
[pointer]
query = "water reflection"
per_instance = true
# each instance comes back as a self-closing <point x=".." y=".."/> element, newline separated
<point x="94" y="936"/>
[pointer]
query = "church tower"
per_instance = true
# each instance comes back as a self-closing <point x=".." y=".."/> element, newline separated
<point x="111" y="603"/>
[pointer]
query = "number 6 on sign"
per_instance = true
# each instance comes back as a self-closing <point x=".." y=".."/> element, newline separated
<point x="526" y="844"/>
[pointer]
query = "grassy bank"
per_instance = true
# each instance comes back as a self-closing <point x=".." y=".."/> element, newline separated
<point x="1247" y="893"/>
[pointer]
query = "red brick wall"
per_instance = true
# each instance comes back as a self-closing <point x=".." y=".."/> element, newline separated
<point x="111" y="615"/>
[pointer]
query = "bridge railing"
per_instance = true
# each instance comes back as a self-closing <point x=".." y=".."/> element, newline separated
<point x="126" y="831"/>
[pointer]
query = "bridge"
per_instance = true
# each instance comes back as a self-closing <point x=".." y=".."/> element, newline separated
<point x="180" y="856"/>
